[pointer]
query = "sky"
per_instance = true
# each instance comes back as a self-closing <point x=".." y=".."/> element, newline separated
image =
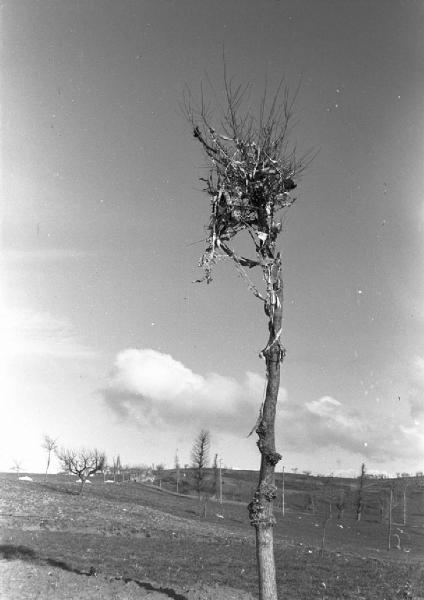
<point x="106" y="341"/>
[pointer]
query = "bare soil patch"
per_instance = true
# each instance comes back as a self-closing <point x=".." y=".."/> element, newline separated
<point x="20" y="580"/>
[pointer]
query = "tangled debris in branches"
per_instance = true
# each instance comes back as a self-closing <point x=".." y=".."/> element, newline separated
<point x="251" y="174"/>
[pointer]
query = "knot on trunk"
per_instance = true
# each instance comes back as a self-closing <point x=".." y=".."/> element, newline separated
<point x="274" y="352"/>
<point x="271" y="456"/>
<point x="268" y="491"/>
<point x="261" y="431"/>
<point x="256" y="508"/>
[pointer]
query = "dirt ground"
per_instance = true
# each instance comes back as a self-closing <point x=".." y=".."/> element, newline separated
<point x="20" y="580"/>
<point x="147" y="544"/>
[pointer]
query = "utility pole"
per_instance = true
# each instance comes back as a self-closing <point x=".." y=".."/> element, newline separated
<point x="177" y="470"/>
<point x="220" y="480"/>
<point x="404" y="503"/>
<point x="284" y="500"/>
<point x="389" y="529"/>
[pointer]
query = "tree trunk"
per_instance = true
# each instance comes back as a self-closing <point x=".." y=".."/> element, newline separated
<point x="389" y="527"/>
<point x="324" y="530"/>
<point x="47" y="468"/>
<point x="261" y="507"/>
<point x="360" y="503"/>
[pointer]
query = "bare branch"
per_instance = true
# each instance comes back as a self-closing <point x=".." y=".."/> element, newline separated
<point x="49" y="444"/>
<point x="82" y="463"/>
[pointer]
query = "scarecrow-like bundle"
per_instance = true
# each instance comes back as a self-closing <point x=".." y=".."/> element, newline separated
<point x="248" y="187"/>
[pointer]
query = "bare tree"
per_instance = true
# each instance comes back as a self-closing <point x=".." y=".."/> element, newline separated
<point x="17" y="467"/>
<point x="105" y="470"/>
<point x="215" y="469"/>
<point x="251" y="174"/>
<point x="311" y="505"/>
<point x="200" y="458"/>
<point x="341" y="505"/>
<point x="50" y="445"/>
<point x="116" y="467"/>
<point x="82" y="463"/>
<point x="177" y="471"/>
<point x="159" y="469"/>
<point x="360" y="498"/>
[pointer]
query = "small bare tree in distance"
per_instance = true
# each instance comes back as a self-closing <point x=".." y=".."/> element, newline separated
<point x="17" y="467"/>
<point x="158" y="470"/>
<point x="341" y="502"/>
<point x="360" y="499"/>
<point x="50" y="445"/>
<point x="82" y="463"/>
<point x="200" y="458"/>
<point x="251" y="175"/>
<point x="215" y="476"/>
<point x="177" y="470"/>
<point x="116" y="467"/>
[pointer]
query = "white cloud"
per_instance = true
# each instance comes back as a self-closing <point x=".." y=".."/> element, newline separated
<point x="322" y="407"/>
<point x="334" y="414"/>
<point x="153" y="374"/>
<point x="148" y="385"/>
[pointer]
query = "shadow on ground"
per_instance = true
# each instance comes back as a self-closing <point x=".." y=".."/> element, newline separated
<point x="11" y="552"/>
<point x="60" y="489"/>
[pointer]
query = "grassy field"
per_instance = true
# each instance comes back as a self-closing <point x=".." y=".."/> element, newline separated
<point x="158" y="539"/>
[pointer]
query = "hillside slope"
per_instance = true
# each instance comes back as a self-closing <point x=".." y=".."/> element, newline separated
<point x="130" y="533"/>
